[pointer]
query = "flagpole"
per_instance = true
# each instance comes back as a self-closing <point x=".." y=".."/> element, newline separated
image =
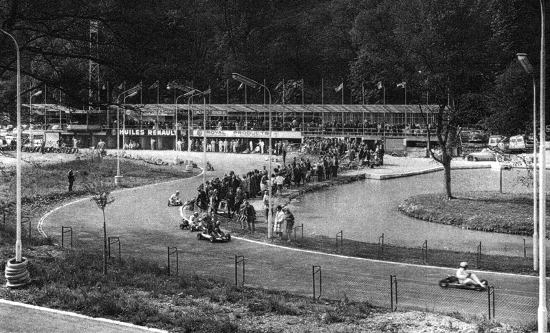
<point x="342" y="92"/>
<point x="322" y="91"/>
<point x="363" y="93"/>
<point x="227" y="91"/>
<point x="263" y="88"/>
<point x="302" y="91"/>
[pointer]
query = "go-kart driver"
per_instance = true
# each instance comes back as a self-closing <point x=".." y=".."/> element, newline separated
<point x="217" y="232"/>
<point x="175" y="199"/>
<point x="194" y="220"/>
<point x="466" y="277"/>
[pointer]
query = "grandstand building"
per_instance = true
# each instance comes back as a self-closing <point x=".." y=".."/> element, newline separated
<point x="154" y="126"/>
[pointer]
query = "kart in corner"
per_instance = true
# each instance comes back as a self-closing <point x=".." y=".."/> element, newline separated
<point x="452" y="282"/>
<point x="214" y="237"/>
<point x="186" y="225"/>
<point x="174" y="204"/>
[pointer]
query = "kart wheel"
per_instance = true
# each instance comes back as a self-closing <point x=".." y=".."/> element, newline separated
<point x="443" y="284"/>
<point x="199" y="236"/>
<point x="228" y="238"/>
<point x="211" y="239"/>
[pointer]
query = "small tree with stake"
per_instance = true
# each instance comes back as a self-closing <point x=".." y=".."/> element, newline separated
<point x="102" y="197"/>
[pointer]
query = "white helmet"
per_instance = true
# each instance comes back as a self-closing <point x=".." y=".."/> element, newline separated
<point x="464" y="264"/>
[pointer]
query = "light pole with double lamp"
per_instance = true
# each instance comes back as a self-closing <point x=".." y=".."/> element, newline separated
<point x="526" y="64"/>
<point x="187" y="90"/>
<point x="16" y="271"/>
<point x="128" y="93"/>
<point x="254" y="84"/>
<point x="193" y="93"/>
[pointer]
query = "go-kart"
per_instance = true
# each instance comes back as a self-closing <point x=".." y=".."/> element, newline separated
<point x="174" y="203"/>
<point x="186" y="225"/>
<point x="214" y="236"/>
<point x="452" y="282"/>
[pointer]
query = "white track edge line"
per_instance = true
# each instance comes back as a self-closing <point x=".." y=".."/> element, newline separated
<point x="374" y="260"/>
<point x="78" y="315"/>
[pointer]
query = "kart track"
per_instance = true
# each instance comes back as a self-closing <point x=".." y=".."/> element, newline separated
<point x="146" y="227"/>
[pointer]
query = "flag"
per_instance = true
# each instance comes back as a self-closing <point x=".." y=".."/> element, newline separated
<point x="340" y="87"/>
<point x="207" y="92"/>
<point x="154" y="85"/>
<point x="240" y="86"/>
<point x="402" y="84"/>
<point x="379" y="85"/>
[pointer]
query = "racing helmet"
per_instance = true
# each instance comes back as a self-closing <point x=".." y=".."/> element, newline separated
<point x="177" y="192"/>
<point x="464" y="264"/>
<point x="196" y="213"/>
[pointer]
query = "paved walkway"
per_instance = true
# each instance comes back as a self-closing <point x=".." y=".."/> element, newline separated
<point x="149" y="227"/>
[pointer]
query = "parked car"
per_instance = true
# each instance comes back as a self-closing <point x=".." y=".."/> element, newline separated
<point x="520" y="143"/>
<point x="485" y="154"/>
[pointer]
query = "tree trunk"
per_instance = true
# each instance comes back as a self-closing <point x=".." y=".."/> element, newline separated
<point x="446" y="159"/>
<point x="104" y="245"/>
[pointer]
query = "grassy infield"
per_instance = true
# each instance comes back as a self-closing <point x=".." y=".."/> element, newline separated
<point x="139" y="292"/>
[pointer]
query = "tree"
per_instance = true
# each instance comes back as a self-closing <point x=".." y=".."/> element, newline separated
<point x="102" y="198"/>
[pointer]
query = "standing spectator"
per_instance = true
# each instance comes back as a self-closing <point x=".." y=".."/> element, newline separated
<point x="279" y="220"/>
<point x="266" y="204"/>
<point x="289" y="221"/>
<point x="153" y="142"/>
<point x="239" y="198"/>
<point x="230" y="198"/>
<point x="262" y="144"/>
<point x="70" y="176"/>
<point x="283" y="151"/>
<point x="248" y="214"/>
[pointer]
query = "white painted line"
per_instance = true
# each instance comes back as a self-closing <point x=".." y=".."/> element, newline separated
<point x="374" y="260"/>
<point x="77" y="315"/>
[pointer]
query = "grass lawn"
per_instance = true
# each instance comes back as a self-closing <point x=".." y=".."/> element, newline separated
<point x="485" y="211"/>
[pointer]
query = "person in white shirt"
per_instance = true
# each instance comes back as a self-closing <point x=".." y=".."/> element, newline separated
<point x="279" y="220"/>
<point x="466" y="277"/>
<point x="175" y="199"/>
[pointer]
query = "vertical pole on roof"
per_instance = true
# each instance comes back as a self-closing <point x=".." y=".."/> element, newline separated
<point x="227" y="91"/>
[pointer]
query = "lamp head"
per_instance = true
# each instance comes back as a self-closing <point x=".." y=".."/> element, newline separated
<point x="133" y="93"/>
<point x="524" y="61"/>
<point x="38" y="93"/>
<point x="245" y="80"/>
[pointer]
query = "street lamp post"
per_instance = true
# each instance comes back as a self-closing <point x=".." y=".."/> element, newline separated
<point x="18" y="248"/>
<point x="253" y="84"/>
<point x="187" y="90"/>
<point x="128" y="93"/>
<point x="524" y="61"/>
<point x="542" y="310"/>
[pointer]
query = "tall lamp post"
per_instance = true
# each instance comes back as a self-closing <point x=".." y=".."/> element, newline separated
<point x="127" y="93"/>
<point x="526" y="64"/>
<point x="22" y="270"/>
<point x="187" y="90"/>
<point x="542" y="310"/>
<point x="254" y="84"/>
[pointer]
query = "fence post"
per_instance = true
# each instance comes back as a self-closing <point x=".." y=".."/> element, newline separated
<point x="478" y="256"/>
<point x="340" y="235"/>
<point x="315" y="269"/>
<point x="299" y="227"/>
<point x="238" y="260"/>
<point x="173" y="250"/>
<point x="425" y="251"/>
<point x="393" y="292"/>
<point x="525" y="249"/>
<point x="65" y="230"/>
<point x="114" y="240"/>
<point x="491" y="301"/>
<point x="381" y="245"/>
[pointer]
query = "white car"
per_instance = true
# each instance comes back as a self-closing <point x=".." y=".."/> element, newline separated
<point x="485" y="154"/>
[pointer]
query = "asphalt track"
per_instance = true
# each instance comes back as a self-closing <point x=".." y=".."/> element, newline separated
<point x="146" y="227"/>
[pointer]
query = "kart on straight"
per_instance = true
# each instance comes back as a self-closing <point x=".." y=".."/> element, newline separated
<point x="452" y="282"/>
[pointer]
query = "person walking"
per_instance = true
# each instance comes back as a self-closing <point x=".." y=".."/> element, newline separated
<point x="248" y="214"/>
<point x="71" y="177"/>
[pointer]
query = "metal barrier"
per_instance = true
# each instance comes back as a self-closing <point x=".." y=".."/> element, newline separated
<point x="340" y="235"/>
<point x="393" y="292"/>
<point x="301" y="227"/>
<point x="491" y="301"/>
<point x="171" y="251"/>
<point x="316" y="270"/>
<point x="425" y="252"/>
<point x="239" y="260"/>
<point x="65" y="230"/>
<point x="381" y="246"/>
<point x="114" y="240"/>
